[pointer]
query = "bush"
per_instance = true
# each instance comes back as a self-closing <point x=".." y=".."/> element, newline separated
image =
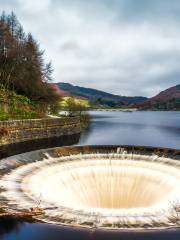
<point x="22" y="65"/>
<point x="4" y="116"/>
<point x="15" y="106"/>
<point x="75" y="107"/>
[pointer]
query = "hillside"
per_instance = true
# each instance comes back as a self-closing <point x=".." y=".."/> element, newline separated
<point x="25" y="91"/>
<point x="60" y="91"/>
<point x="99" y="98"/>
<point x="15" y="106"/>
<point x="168" y="99"/>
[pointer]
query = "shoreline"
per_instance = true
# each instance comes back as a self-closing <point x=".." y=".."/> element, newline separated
<point x="130" y="110"/>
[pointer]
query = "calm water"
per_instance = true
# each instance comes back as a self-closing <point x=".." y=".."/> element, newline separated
<point x="138" y="128"/>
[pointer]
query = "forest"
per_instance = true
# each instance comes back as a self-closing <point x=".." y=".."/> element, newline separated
<point x="25" y="77"/>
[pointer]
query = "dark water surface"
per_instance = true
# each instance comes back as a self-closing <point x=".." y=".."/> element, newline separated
<point x="144" y="128"/>
<point x="138" y="128"/>
<point x="26" y="231"/>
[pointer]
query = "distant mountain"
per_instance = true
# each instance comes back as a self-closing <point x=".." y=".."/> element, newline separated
<point x="60" y="91"/>
<point x="168" y="99"/>
<point x="97" y="97"/>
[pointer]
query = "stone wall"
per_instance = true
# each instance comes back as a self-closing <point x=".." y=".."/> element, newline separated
<point x="34" y="129"/>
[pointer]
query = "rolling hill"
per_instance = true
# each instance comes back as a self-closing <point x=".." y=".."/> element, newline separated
<point x="168" y="99"/>
<point x="99" y="98"/>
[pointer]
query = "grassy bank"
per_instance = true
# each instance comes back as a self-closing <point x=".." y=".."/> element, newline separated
<point x="15" y="106"/>
<point x="76" y="107"/>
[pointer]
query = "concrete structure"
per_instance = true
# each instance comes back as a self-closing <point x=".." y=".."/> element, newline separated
<point x="17" y="131"/>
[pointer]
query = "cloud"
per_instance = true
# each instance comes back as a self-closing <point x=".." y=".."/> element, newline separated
<point x="34" y="6"/>
<point x="122" y="46"/>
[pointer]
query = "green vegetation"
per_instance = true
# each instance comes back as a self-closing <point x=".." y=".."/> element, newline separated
<point x="76" y="107"/>
<point x="25" y="90"/>
<point x="100" y="99"/>
<point x="167" y="100"/>
<point x="15" y="106"/>
<point x="172" y="104"/>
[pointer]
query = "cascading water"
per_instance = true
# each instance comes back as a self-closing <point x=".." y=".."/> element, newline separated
<point x="115" y="189"/>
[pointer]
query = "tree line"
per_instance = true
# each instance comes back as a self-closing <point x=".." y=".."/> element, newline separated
<point x="22" y="65"/>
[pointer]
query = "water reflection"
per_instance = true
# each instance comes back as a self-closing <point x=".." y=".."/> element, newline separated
<point x="9" y="225"/>
<point x="138" y="128"/>
<point x="31" y="231"/>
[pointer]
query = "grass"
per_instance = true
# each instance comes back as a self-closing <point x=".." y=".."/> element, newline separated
<point x="78" y="101"/>
<point x="15" y="106"/>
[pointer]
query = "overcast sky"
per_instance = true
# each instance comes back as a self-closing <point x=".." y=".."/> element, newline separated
<point x="127" y="47"/>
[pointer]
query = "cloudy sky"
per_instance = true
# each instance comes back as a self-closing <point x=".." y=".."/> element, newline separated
<point x="127" y="47"/>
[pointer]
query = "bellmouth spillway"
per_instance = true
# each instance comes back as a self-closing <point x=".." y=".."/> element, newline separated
<point x="109" y="187"/>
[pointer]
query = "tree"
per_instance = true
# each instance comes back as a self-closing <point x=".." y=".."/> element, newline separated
<point x="75" y="107"/>
<point x="22" y="65"/>
<point x="71" y="106"/>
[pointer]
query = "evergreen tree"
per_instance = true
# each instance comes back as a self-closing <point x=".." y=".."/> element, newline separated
<point x="22" y="66"/>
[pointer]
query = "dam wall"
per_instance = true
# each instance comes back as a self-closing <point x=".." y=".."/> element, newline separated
<point x="19" y="131"/>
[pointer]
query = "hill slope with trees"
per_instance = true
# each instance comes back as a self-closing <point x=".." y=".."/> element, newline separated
<point x="168" y="99"/>
<point x="99" y="98"/>
<point x="22" y="66"/>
